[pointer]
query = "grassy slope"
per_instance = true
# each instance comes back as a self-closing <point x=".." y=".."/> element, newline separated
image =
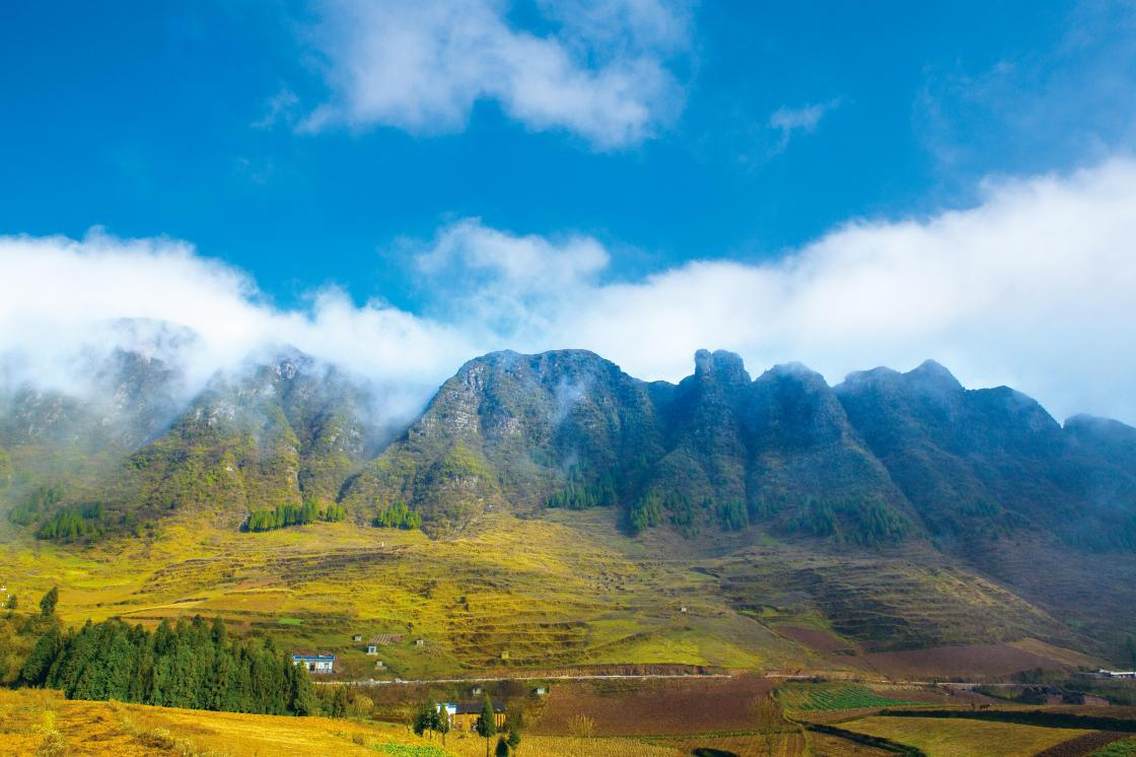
<point x="546" y="593"/>
<point x="554" y="592"/>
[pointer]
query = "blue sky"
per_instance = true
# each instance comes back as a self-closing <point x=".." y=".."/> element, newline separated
<point x="308" y="145"/>
<point x="148" y="118"/>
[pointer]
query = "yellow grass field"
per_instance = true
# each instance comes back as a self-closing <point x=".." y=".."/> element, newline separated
<point x="515" y="595"/>
<point x="43" y="722"/>
<point x="959" y="737"/>
<point x="519" y="594"/>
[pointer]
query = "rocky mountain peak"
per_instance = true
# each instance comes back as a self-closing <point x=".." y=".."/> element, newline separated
<point x="720" y="366"/>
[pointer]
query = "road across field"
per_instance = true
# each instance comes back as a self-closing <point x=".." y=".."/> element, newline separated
<point x="653" y="676"/>
<point x="582" y="677"/>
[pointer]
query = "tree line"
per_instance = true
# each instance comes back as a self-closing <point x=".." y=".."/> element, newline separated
<point x="577" y="495"/>
<point x="397" y="515"/>
<point x="293" y="515"/>
<point x="190" y="663"/>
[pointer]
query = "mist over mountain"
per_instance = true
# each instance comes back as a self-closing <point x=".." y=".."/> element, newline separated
<point x="879" y="458"/>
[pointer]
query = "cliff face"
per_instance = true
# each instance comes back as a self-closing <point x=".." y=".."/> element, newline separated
<point x="882" y="458"/>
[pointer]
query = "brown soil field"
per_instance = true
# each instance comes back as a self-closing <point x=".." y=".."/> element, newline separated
<point x="815" y="638"/>
<point x="1082" y="745"/>
<point x="978" y="661"/>
<point x="654" y="708"/>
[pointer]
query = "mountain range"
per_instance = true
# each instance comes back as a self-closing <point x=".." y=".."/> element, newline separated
<point x="894" y="465"/>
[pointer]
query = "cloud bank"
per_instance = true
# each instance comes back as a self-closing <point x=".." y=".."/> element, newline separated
<point x="601" y="72"/>
<point x="1032" y="287"/>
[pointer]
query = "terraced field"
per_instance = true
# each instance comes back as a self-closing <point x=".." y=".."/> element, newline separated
<point x="833" y="696"/>
<point x="562" y="591"/>
<point x="522" y="594"/>
<point x="885" y="602"/>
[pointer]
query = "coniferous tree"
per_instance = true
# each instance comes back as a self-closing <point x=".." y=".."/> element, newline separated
<point x="191" y="664"/>
<point x="427" y="718"/>
<point x="43" y="654"/>
<point x="47" y="604"/>
<point x="486" y="723"/>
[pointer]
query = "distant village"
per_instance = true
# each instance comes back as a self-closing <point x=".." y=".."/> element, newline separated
<point x="461" y="716"/>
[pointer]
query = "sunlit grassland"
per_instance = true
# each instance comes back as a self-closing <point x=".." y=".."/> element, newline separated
<point x="958" y="737"/>
<point x="32" y="720"/>
<point x="528" y="594"/>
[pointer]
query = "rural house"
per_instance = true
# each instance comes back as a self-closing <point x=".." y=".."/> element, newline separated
<point x="451" y="710"/>
<point x="320" y="664"/>
<point x="464" y="715"/>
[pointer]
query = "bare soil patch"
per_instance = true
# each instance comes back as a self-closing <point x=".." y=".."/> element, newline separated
<point x="815" y="638"/>
<point x="654" y="707"/>
<point x="1082" y="745"/>
<point x="978" y="661"/>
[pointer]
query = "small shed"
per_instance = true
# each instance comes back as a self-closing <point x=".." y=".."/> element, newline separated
<point x="357" y="637"/>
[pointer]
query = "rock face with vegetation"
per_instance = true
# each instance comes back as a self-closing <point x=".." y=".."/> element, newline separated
<point x="991" y="462"/>
<point x="892" y="504"/>
<point x="882" y="458"/>
<point x="520" y="431"/>
<point x="283" y="433"/>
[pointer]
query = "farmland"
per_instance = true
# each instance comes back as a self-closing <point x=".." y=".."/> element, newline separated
<point x="1122" y="748"/>
<point x="659" y="707"/>
<point x="959" y="737"/>
<point x="31" y="720"/>
<point x="625" y="718"/>
<point x="828" y="697"/>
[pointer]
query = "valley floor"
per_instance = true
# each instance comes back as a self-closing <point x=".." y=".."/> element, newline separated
<point x="663" y="721"/>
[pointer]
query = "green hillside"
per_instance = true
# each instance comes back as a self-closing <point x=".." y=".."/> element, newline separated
<point x="896" y="511"/>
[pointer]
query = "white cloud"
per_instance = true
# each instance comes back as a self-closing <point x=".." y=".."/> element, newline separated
<point x="280" y="107"/>
<point x="421" y="66"/>
<point x="789" y="121"/>
<point x="62" y="301"/>
<point x="1032" y="288"/>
